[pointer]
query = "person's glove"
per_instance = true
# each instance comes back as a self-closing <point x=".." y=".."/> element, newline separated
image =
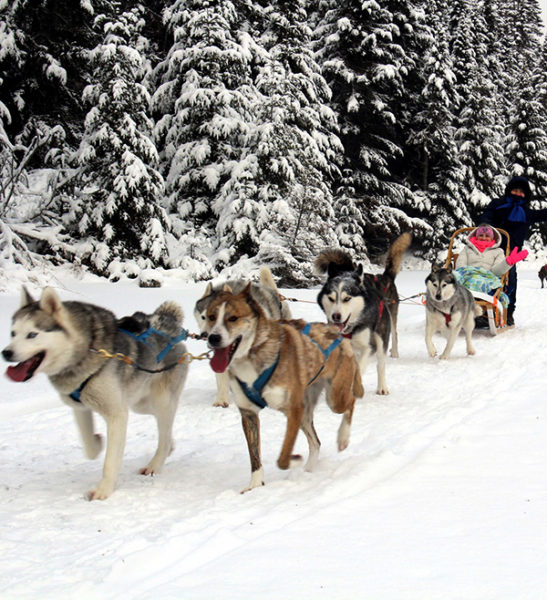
<point x="515" y="256"/>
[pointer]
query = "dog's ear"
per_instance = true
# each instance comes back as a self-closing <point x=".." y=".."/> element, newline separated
<point x="449" y="268"/>
<point x="26" y="298"/>
<point x="208" y="290"/>
<point x="50" y="302"/>
<point x="227" y="288"/>
<point x="359" y="270"/>
<point x="435" y="267"/>
<point x="246" y="291"/>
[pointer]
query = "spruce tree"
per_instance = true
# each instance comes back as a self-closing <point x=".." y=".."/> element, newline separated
<point x="120" y="187"/>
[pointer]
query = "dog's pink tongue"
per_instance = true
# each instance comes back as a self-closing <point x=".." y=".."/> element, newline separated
<point x="19" y="372"/>
<point x="220" y="360"/>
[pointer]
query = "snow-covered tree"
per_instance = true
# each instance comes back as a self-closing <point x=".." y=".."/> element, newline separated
<point x="118" y="203"/>
<point x="203" y="100"/>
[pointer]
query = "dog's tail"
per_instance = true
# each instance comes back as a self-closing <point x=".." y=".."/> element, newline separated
<point x="267" y="280"/>
<point x="333" y="261"/>
<point x="395" y="255"/>
<point x="168" y="318"/>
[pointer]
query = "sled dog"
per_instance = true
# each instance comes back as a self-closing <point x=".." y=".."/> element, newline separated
<point x="264" y="293"/>
<point x="363" y="306"/>
<point x="542" y="274"/>
<point x="283" y="365"/>
<point x="449" y="308"/>
<point x="61" y="340"/>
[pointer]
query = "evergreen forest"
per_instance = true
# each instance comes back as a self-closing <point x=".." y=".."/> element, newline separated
<point x="197" y="134"/>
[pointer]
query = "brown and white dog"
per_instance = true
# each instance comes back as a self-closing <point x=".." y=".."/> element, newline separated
<point x="542" y="274"/>
<point x="283" y="365"/>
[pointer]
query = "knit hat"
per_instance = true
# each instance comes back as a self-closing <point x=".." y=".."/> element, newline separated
<point x="485" y="230"/>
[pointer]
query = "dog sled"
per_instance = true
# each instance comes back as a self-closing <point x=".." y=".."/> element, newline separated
<point x="491" y="305"/>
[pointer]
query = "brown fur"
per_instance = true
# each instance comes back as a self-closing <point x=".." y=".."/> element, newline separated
<point x="301" y="373"/>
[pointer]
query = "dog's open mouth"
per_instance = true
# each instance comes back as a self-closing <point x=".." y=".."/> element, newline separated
<point x="23" y="371"/>
<point x="222" y="356"/>
<point x="342" y="324"/>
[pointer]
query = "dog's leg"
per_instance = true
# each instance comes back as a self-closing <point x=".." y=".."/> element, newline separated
<point x="93" y="442"/>
<point x="429" y="331"/>
<point x="164" y="412"/>
<point x="116" y="425"/>
<point x="223" y="389"/>
<point x="381" y="366"/>
<point x="468" y="327"/>
<point x="294" y="420"/>
<point x="345" y="428"/>
<point x="394" y="336"/>
<point x="453" y="332"/>
<point x="307" y="426"/>
<point x="251" y="429"/>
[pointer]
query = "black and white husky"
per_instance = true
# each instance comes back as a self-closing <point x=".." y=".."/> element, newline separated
<point x="450" y="307"/>
<point x="363" y="306"/>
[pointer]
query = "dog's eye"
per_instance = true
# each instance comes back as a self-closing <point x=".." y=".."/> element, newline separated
<point x="31" y="335"/>
<point x="346" y="299"/>
<point x="331" y="299"/>
<point x="13" y="334"/>
<point x="212" y="318"/>
<point x="232" y="319"/>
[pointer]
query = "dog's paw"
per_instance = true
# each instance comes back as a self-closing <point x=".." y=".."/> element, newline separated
<point x="471" y="351"/>
<point x="101" y="492"/>
<point x="444" y="356"/>
<point x="221" y="403"/>
<point x="257" y="480"/>
<point x="382" y="391"/>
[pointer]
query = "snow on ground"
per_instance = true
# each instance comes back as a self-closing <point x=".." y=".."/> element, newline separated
<point x="441" y="494"/>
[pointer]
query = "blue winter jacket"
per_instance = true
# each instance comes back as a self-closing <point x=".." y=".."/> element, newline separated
<point x="499" y="211"/>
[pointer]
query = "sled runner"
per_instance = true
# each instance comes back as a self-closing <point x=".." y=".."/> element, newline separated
<point x="481" y="281"/>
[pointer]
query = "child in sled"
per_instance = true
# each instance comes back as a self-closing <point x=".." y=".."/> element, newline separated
<point x="482" y="262"/>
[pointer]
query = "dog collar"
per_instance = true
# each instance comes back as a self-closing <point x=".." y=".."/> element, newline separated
<point x="253" y="393"/>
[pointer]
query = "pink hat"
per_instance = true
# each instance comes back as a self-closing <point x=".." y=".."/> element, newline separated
<point x="485" y="230"/>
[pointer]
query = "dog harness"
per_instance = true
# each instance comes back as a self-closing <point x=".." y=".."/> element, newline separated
<point x="76" y="394"/>
<point x="326" y="353"/>
<point x="143" y="337"/>
<point x="253" y="393"/>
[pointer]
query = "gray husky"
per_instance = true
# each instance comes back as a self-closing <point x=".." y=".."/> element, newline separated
<point x="363" y="306"/>
<point x="265" y="294"/>
<point x="64" y="340"/>
<point x="449" y="308"/>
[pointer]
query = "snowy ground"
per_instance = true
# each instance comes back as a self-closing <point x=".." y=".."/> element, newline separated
<point x="442" y="493"/>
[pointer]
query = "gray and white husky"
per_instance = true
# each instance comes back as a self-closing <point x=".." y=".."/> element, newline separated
<point x="363" y="306"/>
<point x="62" y="340"/>
<point x="264" y="293"/>
<point x="449" y="308"/>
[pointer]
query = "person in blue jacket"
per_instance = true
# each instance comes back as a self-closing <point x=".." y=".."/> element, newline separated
<point x="513" y="213"/>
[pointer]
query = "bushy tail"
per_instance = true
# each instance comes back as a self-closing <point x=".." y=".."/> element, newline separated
<point x="333" y="261"/>
<point x="395" y="255"/>
<point x="168" y="318"/>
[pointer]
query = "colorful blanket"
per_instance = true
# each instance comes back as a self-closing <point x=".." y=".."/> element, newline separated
<point x="478" y="279"/>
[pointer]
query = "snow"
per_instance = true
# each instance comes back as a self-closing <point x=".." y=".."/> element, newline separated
<point x="441" y="494"/>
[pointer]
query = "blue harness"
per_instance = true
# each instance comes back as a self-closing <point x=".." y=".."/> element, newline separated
<point x="142" y="337"/>
<point x="253" y="393"/>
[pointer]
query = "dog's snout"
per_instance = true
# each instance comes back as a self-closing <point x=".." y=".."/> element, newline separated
<point x="214" y="340"/>
<point x="7" y="354"/>
<point x="336" y="317"/>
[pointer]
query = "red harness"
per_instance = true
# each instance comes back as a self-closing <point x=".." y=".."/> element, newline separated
<point x="447" y="318"/>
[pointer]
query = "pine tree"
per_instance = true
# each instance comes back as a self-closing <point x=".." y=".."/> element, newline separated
<point x="203" y="99"/>
<point x="121" y="188"/>
<point x="363" y="50"/>
<point x="479" y="127"/>
<point x="294" y="150"/>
